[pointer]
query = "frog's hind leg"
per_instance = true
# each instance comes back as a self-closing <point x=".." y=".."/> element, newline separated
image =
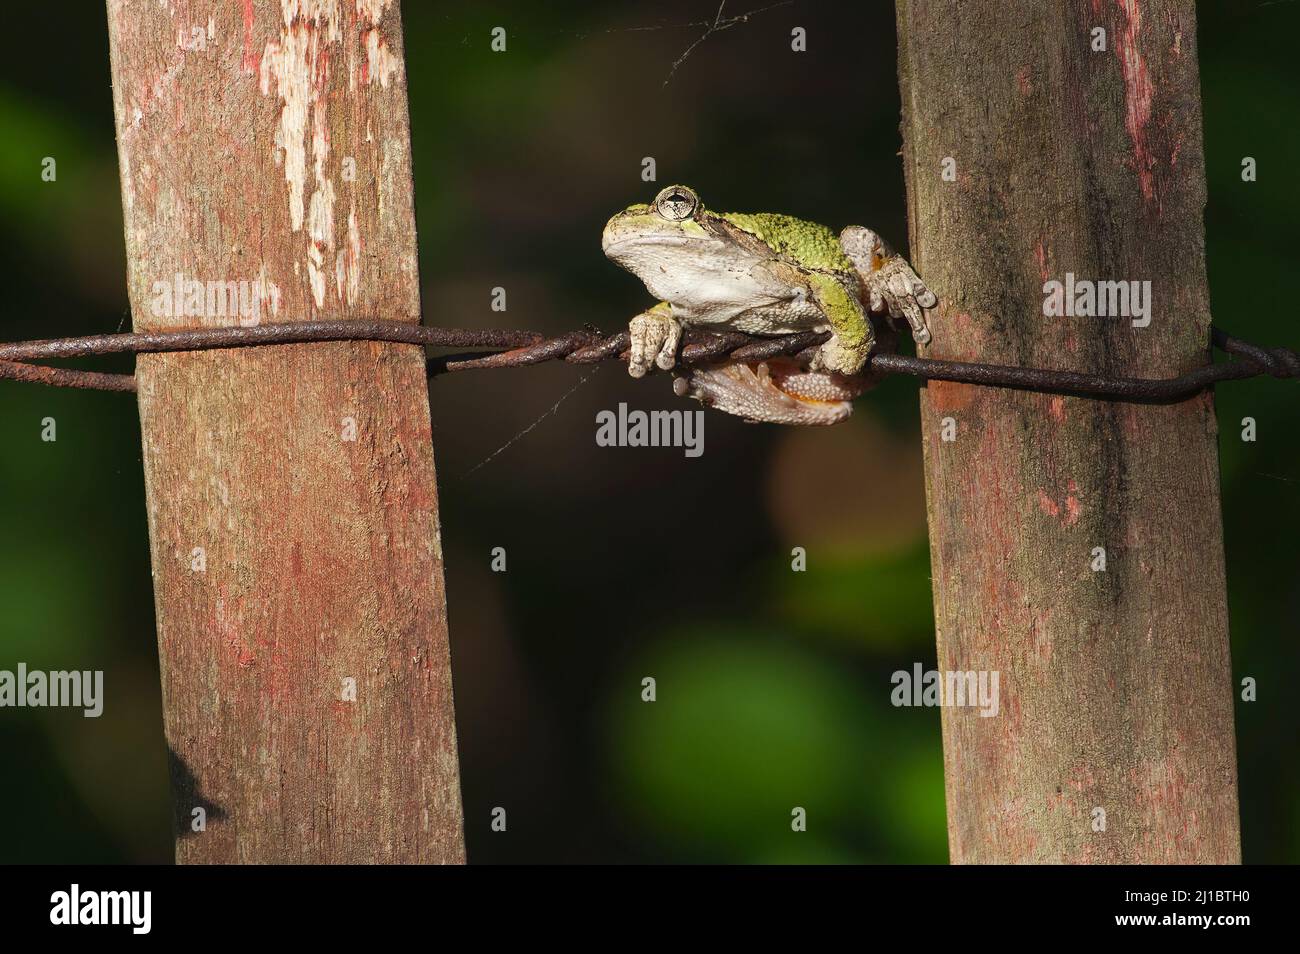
<point x="890" y="286"/>
<point x="777" y="391"/>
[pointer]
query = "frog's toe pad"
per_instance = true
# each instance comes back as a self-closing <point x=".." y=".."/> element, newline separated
<point x="777" y="392"/>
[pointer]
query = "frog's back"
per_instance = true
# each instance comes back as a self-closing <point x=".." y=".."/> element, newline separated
<point x="809" y="244"/>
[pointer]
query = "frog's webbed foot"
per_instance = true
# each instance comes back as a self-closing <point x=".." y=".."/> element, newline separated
<point x="777" y="391"/>
<point x="891" y="286"/>
<point x="655" y="335"/>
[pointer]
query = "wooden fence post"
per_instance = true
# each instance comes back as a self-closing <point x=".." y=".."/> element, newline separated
<point x="293" y="514"/>
<point x="1076" y="545"/>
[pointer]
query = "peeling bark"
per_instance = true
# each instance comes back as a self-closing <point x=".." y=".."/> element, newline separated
<point x="1116" y="685"/>
<point x="268" y="144"/>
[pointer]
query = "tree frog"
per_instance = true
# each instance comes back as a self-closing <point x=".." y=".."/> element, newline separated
<point x="765" y="274"/>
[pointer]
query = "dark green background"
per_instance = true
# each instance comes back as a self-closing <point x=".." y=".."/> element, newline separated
<point x="773" y="686"/>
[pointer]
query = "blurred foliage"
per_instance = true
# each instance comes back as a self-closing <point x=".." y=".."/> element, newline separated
<point x="1249" y="86"/>
<point x="772" y="687"/>
<point x="747" y="727"/>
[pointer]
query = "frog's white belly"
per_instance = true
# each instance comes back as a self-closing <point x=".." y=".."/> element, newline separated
<point x="747" y="299"/>
<point x="719" y="285"/>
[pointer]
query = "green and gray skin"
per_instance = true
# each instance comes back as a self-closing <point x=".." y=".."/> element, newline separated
<point x="764" y="274"/>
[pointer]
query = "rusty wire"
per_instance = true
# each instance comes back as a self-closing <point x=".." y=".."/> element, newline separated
<point x="495" y="348"/>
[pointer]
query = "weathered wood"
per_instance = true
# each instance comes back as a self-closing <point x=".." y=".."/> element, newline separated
<point x="1116" y="689"/>
<point x="261" y="144"/>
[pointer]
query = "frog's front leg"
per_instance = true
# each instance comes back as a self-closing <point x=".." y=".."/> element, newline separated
<point x="890" y="286"/>
<point x="655" y="335"/>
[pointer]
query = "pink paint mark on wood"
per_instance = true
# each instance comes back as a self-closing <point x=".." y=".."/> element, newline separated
<point x="1040" y="253"/>
<point x="1179" y="138"/>
<point x="1072" y="507"/>
<point x="1138" y="94"/>
<point x="251" y="62"/>
<point x="1056" y="407"/>
<point x="1047" y="504"/>
<point x="1022" y="81"/>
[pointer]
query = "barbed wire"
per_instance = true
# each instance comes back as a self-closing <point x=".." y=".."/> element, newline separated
<point x="498" y="348"/>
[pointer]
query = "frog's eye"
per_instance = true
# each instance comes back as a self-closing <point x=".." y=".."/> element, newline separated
<point x="676" y="203"/>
